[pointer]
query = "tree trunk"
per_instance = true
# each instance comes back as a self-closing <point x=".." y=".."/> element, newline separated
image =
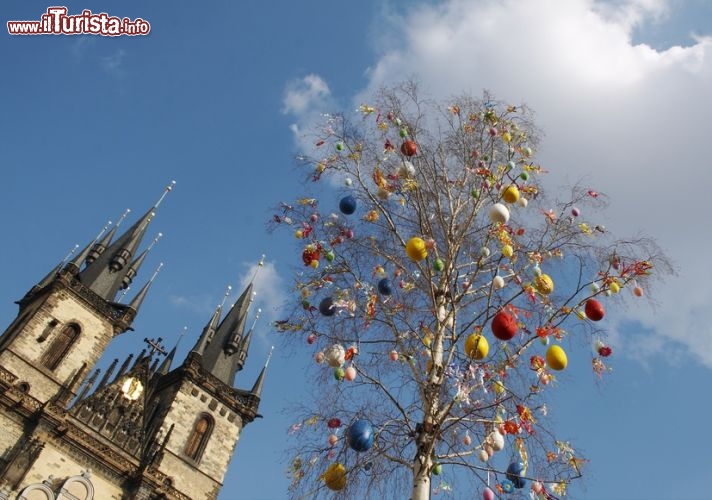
<point x="422" y="465"/>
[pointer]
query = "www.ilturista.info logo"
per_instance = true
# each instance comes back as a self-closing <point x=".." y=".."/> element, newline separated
<point x="57" y="22"/>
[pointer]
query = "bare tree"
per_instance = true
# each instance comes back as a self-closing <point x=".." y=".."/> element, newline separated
<point x="439" y="292"/>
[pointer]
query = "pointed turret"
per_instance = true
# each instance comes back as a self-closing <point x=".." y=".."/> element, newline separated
<point x="102" y="244"/>
<point x="245" y="344"/>
<point x="209" y="331"/>
<point x="136" y="264"/>
<point x="75" y="264"/>
<point x="225" y="354"/>
<point x="259" y="383"/>
<point x="168" y="360"/>
<point x="105" y="275"/>
<point x="219" y="356"/>
<point x="141" y="295"/>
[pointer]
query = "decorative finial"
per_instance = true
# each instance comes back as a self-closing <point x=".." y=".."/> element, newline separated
<point x="121" y="219"/>
<point x="261" y="263"/>
<point x="155" y="273"/>
<point x="155" y="240"/>
<point x="252" y="297"/>
<point x="269" y="356"/>
<point x="123" y="294"/>
<point x="185" y="329"/>
<point x="227" y="294"/>
<point x="168" y="189"/>
<point x="257" y="316"/>
<point x="71" y="252"/>
<point x="155" y="346"/>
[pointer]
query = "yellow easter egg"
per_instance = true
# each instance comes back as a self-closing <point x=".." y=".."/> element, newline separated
<point x="544" y="284"/>
<point x="556" y="358"/>
<point x="614" y="287"/>
<point x="476" y="346"/>
<point x="415" y="248"/>
<point x="498" y="387"/>
<point x="510" y="194"/>
<point x="507" y="251"/>
<point x="335" y="477"/>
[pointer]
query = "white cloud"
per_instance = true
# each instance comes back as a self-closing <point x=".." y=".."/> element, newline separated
<point x="270" y="294"/>
<point x="300" y="95"/>
<point x="113" y="64"/>
<point x="631" y="119"/>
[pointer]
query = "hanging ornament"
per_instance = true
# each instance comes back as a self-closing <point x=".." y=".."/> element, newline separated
<point x="347" y="205"/>
<point x="511" y="194"/>
<point x="360" y="435"/>
<point x="409" y="148"/>
<point x="515" y="471"/>
<point x="487" y="494"/>
<point x="498" y="213"/>
<point x="327" y="307"/>
<point x="393" y="355"/>
<point x="498" y="282"/>
<point x="504" y="326"/>
<point x="496" y="440"/>
<point x="339" y="373"/>
<point x="438" y="265"/>
<point x="416" y="250"/>
<point x="335" y="477"/>
<point x="437" y="469"/>
<point x="476" y="346"/>
<point x="544" y="284"/>
<point x="333" y="439"/>
<point x="556" y="358"/>
<point x="349" y="373"/>
<point x="335" y="355"/>
<point x="507" y="251"/>
<point x="594" y="310"/>
<point x="483" y="455"/>
<point x="385" y="287"/>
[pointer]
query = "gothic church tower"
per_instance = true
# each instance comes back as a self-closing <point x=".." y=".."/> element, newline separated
<point x="148" y="431"/>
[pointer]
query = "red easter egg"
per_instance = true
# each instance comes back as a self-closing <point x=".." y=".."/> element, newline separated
<point x="409" y="148"/>
<point x="504" y="326"/>
<point x="594" y="310"/>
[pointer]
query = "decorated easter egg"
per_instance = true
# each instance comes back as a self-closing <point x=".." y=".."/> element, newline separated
<point x="556" y="358"/>
<point x="476" y="346"/>
<point x="504" y="326"/>
<point x="311" y="338"/>
<point x="498" y="213"/>
<point x="437" y="469"/>
<point x="544" y="284"/>
<point x="335" y="477"/>
<point x="339" y="373"/>
<point x="347" y="205"/>
<point x="393" y="355"/>
<point x="510" y="194"/>
<point x="515" y="471"/>
<point x="524" y="176"/>
<point x="415" y="248"/>
<point x="487" y="494"/>
<point x="409" y="148"/>
<point x="483" y="455"/>
<point x="614" y="287"/>
<point x="333" y="439"/>
<point x="327" y="307"/>
<point x="594" y="310"/>
<point x="360" y="435"/>
<point x="350" y="373"/>
<point x="407" y="169"/>
<point x="507" y="251"/>
<point x="385" y="287"/>
<point x="335" y="355"/>
<point x="496" y="440"/>
<point x="438" y="265"/>
<point x="467" y="440"/>
<point x="498" y="282"/>
<point x="319" y="357"/>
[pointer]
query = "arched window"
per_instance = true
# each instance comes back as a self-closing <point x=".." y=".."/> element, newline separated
<point x="199" y="437"/>
<point x="60" y="346"/>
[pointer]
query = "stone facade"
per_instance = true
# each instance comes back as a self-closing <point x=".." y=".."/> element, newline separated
<point x="149" y="431"/>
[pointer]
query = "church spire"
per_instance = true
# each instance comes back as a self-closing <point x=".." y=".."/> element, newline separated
<point x="138" y="299"/>
<point x="209" y="330"/>
<point x="105" y="275"/>
<point x="224" y="355"/>
<point x="257" y="388"/>
<point x="165" y="366"/>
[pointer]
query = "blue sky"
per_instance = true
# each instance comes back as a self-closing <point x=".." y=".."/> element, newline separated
<point x="212" y="98"/>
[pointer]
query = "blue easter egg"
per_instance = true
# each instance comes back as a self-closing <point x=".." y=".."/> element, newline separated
<point x="347" y="205"/>
<point x="360" y="435"/>
<point x="326" y="307"/>
<point x="385" y="287"/>
<point x="514" y="474"/>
